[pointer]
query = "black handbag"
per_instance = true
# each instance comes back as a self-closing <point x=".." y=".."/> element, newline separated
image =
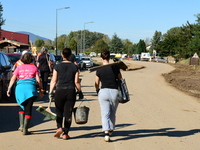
<point x="123" y="92"/>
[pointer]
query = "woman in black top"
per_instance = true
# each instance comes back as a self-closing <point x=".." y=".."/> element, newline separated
<point x="108" y="93"/>
<point x="66" y="79"/>
<point x="44" y="67"/>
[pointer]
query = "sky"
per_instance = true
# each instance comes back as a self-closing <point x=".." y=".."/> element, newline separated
<point x="128" y="19"/>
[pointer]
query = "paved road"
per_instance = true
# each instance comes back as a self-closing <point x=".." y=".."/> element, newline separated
<point x="158" y="117"/>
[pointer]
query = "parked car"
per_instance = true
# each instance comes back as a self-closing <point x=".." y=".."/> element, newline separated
<point x="5" y="74"/>
<point x="160" y="59"/>
<point x="81" y="54"/>
<point x="58" y="58"/>
<point x="112" y="56"/>
<point x="88" y="61"/>
<point x="14" y="57"/>
<point x="80" y="62"/>
<point x="93" y="54"/>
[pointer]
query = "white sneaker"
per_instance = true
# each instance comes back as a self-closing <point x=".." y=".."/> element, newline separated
<point x="107" y="138"/>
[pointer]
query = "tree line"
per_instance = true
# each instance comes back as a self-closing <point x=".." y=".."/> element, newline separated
<point x="180" y="42"/>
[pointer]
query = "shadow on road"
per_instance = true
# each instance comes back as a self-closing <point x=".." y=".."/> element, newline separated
<point x="93" y="134"/>
<point x="134" y="134"/>
<point x="9" y="119"/>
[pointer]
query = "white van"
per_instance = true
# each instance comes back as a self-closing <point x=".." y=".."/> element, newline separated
<point x="145" y="57"/>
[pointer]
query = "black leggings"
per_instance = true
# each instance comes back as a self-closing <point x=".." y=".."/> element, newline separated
<point x="64" y="101"/>
<point x="44" y="77"/>
<point x="28" y="105"/>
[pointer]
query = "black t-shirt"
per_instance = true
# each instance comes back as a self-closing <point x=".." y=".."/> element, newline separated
<point x="108" y="77"/>
<point x="66" y="74"/>
<point x="42" y="59"/>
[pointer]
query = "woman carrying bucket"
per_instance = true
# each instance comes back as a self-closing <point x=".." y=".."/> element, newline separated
<point x="66" y="79"/>
<point x="108" y="93"/>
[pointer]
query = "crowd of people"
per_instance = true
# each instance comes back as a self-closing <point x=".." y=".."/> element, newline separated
<point x="31" y="73"/>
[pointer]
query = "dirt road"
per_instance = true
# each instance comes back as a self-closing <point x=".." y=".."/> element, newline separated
<point x="158" y="117"/>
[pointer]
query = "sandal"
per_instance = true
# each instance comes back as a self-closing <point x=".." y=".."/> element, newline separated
<point x="59" y="131"/>
<point x="65" y="136"/>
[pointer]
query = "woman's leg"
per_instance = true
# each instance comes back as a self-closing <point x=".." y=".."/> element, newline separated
<point x="28" y="104"/>
<point x="68" y="109"/>
<point x="114" y="104"/>
<point x="59" y="103"/>
<point x="105" y="109"/>
<point x="45" y="81"/>
<point x="21" y="119"/>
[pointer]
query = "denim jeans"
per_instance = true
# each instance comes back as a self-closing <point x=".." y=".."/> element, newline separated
<point x="108" y="104"/>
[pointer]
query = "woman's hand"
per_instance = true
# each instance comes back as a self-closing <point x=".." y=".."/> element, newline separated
<point x="8" y="92"/>
<point x="41" y="93"/>
<point x="51" y="95"/>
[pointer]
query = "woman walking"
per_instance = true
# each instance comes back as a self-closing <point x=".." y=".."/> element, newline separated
<point x="42" y="64"/>
<point x="26" y="90"/>
<point x="108" y="94"/>
<point x="66" y="79"/>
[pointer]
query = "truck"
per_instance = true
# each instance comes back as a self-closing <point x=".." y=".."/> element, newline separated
<point x="145" y="57"/>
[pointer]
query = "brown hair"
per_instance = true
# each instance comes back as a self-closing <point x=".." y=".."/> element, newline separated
<point x="67" y="52"/>
<point x="105" y="54"/>
<point x="27" y="58"/>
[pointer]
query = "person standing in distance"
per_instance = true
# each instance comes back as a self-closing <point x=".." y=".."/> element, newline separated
<point x="108" y="94"/>
<point x="66" y="79"/>
<point x="42" y="64"/>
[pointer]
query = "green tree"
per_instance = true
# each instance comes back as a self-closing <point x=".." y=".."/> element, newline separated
<point x="39" y="42"/>
<point x="141" y="47"/>
<point x="73" y="45"/>
<point x="106" y="39"/>
<point x="128" y="47"/>
<point x="49" y="44"/>
<point x="116" y="45"/>
<point x="62" y="42"/>
<point x="156" y="39"/>
<point x="99" y="45"/>
<point x="194" y="44"/>
<point x="2" y="21"/>
<point x="91" y="38"/>
<point x="175" y="42"/>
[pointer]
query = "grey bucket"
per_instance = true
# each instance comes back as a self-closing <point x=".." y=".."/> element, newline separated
<point x="81" y="114"/>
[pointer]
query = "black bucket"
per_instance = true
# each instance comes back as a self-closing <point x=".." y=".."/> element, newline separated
<point x="81" y="114"/>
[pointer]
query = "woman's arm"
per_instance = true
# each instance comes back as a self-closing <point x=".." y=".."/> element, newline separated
<point x="97" y="82"/>
<point x="39" y="81"/>
<point x="53" y="81"/>
<point x="41" y="91"/>
<point x="77" y="82"/>
<point x="119" y="76"/>
<point x="12" y="81"/>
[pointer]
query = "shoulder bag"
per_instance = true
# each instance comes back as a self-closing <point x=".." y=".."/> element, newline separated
<point x="49" y="64"/>
<point x="123" y="92"/>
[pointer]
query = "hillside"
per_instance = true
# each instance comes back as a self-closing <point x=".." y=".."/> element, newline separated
<point x="32" y="36"/>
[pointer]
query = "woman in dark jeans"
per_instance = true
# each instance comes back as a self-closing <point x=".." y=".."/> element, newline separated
<point x="43" y="66"/>
<point x="66" y="79"/>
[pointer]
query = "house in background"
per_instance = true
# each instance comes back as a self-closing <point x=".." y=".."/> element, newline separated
<point x="13" y="42"/>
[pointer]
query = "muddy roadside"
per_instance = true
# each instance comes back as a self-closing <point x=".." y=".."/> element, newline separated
<point x="185" y="78"/>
